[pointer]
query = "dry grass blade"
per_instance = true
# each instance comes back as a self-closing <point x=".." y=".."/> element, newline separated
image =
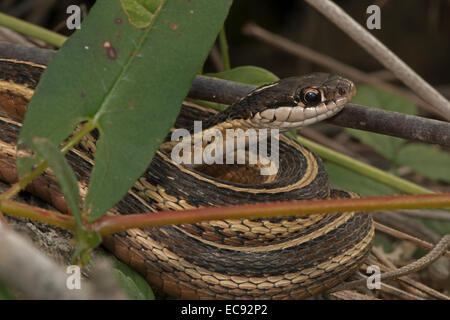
<point x="385" y="56"/>
<point x="419" y="264"/>
<point x="401" y="235"/>
<point x="398" y="293"/>
<point x="351" y="295"/>
<point x="414" y="286"/>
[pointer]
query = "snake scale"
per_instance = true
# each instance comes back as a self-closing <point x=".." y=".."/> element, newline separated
<point x="279" y="258"/>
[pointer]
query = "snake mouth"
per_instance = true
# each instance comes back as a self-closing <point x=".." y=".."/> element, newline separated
<point x="287" y="118"/>
<point x="300" y="115"/>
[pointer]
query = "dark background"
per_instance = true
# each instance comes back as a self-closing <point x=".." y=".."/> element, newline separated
<point x="418" y="31"/>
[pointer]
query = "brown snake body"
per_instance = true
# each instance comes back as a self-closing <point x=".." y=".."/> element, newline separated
<point x="282" y="258"/>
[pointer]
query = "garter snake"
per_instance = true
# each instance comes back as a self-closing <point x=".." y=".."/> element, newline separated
<point x="279" y="258"/>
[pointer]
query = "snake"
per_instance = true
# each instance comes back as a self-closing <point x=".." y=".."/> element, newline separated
<point x="292" y="257"/>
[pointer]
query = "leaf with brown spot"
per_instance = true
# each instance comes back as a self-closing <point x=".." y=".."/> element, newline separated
<point x="151" y="67"/>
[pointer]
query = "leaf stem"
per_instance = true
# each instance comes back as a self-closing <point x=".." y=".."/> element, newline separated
<point x="361" y="168"/>
<point x="87" y="127"/>
<point x="32" y="30"/>
<point x="22" y="183"/>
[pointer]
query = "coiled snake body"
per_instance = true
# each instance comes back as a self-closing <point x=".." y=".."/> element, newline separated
<point x="282" y="258"/>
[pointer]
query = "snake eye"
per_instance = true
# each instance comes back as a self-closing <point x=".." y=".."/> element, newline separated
<point x="310" y="96"/>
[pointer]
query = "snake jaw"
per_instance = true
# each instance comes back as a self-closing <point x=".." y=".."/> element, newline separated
<point x="287" y="118"/>
<point x="334" y="91"/>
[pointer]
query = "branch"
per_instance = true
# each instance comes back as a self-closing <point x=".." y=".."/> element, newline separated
<point x="353" y="116"/>
<point x="113" y="224"/>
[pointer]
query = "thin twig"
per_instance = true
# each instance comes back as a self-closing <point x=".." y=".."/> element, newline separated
<point x="394" y="124"/>
<point x="406" y="280"/>
<point x="385" y="56"/>
<point x="396" y="292"/>
<point x="387" y="289"/>
<point x="407" y="225"/>
<point x="37" y="55"/>
<point x="9" y="35"/>
<point x="439" y="249"/>
<point x="401" y="235"/>
<point x="351" y="295"/>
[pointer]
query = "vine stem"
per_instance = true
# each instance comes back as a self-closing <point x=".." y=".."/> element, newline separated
<point x="360" y="167"/>
<point x="32" y="30"/>
<point x="113" y="224"/>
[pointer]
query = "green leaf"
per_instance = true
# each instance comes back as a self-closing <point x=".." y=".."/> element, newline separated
<point x="86" y="240"/>
<point x="25" y="165"/>
<point x="441" y="227"/>
<point x="246" y="74"/>
<point x="140" y="12"/>
<point x="64" y="174"/>
<point x="374" y="97"/>
<point x="379" y="98"/>
<point x="382" y="240"/>
<point x="429" y="161"/>
<point x="135" y="287"/>
<point x="384" y="145"/>
<point x="348" y="180"/>
<point x="128" y="81"/>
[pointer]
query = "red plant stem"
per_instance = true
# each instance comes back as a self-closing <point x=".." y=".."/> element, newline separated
<point x="108" y="225"/>
<point x="19" y="209"/>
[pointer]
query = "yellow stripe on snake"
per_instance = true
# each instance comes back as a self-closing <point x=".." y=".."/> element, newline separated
<point x="279" y="258"/>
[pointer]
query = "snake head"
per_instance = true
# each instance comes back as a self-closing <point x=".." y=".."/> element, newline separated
<point x="295" y="102"/>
